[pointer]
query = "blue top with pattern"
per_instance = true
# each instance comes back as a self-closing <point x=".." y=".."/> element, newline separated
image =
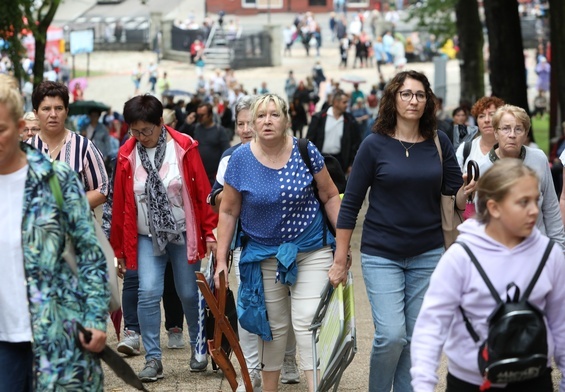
<point x="277" y="204"/>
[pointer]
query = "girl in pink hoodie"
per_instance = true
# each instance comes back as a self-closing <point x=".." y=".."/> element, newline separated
<point x="509" y="247"/>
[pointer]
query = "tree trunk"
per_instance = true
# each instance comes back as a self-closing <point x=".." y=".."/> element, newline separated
<point x="471" y="42"/>
<point x="506" y="60"/>
<point x="557" y="38"/>
<point x="38" y="62"/>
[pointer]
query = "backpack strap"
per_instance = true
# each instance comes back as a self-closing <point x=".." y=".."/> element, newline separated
<point x="481" y="272"/>
<point x="538" y="271"/>
<point x="303" y="148"/>
<point x="466" y="150"/>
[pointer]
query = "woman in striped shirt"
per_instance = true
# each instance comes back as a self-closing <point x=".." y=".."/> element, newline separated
<point x="51" y="105"/>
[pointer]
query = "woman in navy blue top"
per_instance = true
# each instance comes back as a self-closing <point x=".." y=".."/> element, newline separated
<point x="269" y="187"/>
<point x="402" y="238"/>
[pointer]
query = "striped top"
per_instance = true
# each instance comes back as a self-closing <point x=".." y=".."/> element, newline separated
<point x="83" y="157"/>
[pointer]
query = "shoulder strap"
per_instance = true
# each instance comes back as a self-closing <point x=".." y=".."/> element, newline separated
<point x="481" y="272"/>
<point x="56" y="188"/>
<point x="438" y="146"/>
<point x="303" y="148"/>
<point x="538" y="271"/>
<point x="466" y="150"/>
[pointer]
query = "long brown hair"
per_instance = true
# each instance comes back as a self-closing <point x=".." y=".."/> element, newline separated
<point x="386" y="120"/>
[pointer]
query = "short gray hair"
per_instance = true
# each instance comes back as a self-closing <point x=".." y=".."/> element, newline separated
<point x="244" y="103"/>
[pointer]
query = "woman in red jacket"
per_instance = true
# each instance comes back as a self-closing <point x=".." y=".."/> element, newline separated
<point x="159" y="215"/>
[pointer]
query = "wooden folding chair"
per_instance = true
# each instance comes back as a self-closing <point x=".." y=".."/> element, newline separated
<point x="222" y="328"/>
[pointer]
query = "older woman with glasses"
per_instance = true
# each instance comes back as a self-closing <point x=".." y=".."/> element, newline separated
<point x="160" y="215"/>
<point x="32" y="126"/>
<point x="402" y="239"/>
<point x="511" y="127"/>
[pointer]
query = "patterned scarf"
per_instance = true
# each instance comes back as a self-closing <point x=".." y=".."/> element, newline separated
<point x="162" y="224"/>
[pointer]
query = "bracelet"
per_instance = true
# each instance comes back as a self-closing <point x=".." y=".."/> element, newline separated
<point x="212" y="196"/>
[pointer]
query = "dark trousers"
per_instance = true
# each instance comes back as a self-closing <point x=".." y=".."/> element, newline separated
<point x="16" y="366"/>
<point x="174" y="314"/>
<point x="542" y="383"/>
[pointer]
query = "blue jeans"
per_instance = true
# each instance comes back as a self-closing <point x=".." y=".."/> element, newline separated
<point x="151" y="273"/>
<point x="396" y="290"/>
<point x="16" y="366"/>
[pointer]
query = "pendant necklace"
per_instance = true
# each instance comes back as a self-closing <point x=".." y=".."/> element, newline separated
<point x="407" y="153"/>
<point x="51" y="151"/>
<point x="273" y="161"/>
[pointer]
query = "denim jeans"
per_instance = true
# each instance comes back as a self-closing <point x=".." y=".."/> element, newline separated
<point x="151" y="273"/>
<point x="171" y="301"/>
<point x="16" y="366"/>
<point x="396" y="290"/>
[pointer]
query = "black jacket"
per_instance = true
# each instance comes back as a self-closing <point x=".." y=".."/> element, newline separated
<point x="349" y="141"/>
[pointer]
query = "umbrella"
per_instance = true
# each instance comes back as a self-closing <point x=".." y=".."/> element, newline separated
<point x="80" y="81"/>
<point x="173" y="93"/>
<point x="353" y="79"/>
<point x="115" y="362"/>
<point x="84" y="107"/>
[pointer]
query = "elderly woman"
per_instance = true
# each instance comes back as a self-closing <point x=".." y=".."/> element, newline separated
<point x="51" y="105"/>
<point x="269" y="187"/>
<point x="511" y="127"/>
<point x="32" y="126"/>
<point x="40" y="297"/>
<point x="402" y="239"/>
<point x="160" y="215"/>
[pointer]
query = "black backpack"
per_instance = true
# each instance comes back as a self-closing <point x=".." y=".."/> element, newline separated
<point x="335" y="170"/>
<point x="516" y="346"/>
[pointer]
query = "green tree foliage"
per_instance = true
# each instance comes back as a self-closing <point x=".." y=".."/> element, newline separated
<point x="34" y="15"/>
<point x="436" y="17"/>
<point x="11" y="25"/>
<point x="447" y="18"/>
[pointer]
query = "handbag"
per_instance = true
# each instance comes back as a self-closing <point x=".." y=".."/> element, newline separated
<point x="451" y="216"/>
<point x="472" y="174"/>
<point x="69" y="254"/>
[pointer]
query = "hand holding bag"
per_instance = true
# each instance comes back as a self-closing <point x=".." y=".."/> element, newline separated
<point x="472" y="174"/>
<point x="451" y="217"/>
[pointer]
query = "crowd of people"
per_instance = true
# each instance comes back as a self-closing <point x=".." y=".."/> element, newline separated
<point x="171" y="190"/>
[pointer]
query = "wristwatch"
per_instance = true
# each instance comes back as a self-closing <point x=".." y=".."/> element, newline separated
<point x="212" y="196"/>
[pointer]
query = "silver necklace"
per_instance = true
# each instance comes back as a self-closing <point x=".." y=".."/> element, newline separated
<point x="407" y="153"/>
<point x="277" y="156"/>
<point x="51" y="151"/>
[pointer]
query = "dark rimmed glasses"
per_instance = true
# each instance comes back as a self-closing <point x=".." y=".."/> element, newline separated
<point x="407" y="95"/>
<point x="144" y="132"/>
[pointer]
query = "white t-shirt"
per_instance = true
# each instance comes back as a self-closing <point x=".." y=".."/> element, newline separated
<point x="170" y="174"/>
<point x="15" y="321"/>
<point x="562" y="157"/>
<point x="334" y="133"/>
<point x="475" y="154"/>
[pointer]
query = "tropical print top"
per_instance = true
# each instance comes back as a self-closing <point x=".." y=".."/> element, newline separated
<point x="57" y="298"/>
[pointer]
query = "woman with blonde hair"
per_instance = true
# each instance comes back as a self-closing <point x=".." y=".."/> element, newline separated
<point x="269" y="187"/>
<point x="41" y="299"/>
<point x="509" y="247"/>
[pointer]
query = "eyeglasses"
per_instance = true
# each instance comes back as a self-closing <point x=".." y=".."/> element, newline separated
<point x="518" y="131"/>
<point x="144" y="132"/>
<point x="32" y="130"/>
<point x="407" y="96"/>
